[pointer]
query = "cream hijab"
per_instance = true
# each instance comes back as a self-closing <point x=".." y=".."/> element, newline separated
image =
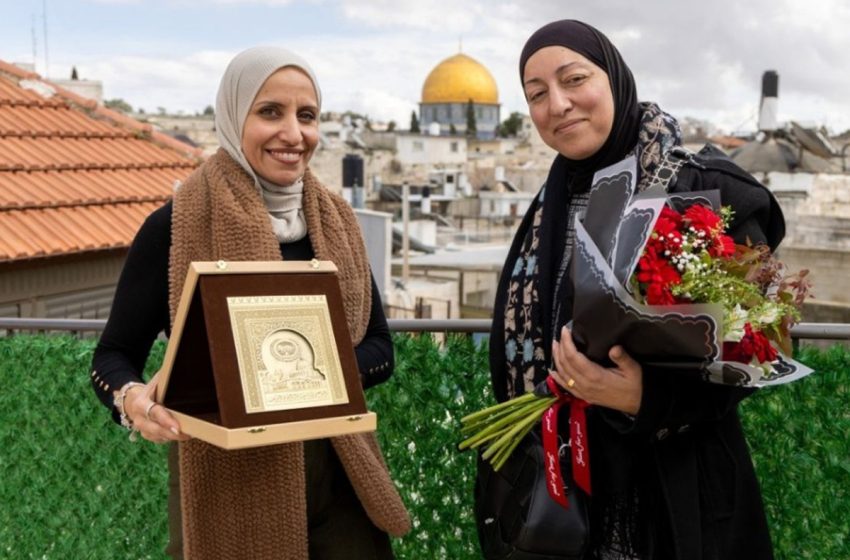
<point x="242" y="79"/>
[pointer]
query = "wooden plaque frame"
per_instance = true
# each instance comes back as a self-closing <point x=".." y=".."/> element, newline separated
<point x="200" y="383"/>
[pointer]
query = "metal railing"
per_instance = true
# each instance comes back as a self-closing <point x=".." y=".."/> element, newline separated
<point x="807" y="331"/>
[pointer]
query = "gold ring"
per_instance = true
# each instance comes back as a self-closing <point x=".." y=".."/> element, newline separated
<point x="571" y="383"/>
<point x="148" y="409"/>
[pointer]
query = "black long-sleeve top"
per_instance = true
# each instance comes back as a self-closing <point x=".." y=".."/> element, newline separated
<point x="140" y="312"/>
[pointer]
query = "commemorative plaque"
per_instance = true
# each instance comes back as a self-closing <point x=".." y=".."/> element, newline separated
<point x="260" y="354"/>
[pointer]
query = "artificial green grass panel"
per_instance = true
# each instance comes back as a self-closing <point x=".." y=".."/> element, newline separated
<point x="799" y="435"/>
<point x="73" y="487"/>
<point x="419" y="412"/>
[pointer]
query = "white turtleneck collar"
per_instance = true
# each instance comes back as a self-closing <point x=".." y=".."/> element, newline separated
<point x="285" y="210"/>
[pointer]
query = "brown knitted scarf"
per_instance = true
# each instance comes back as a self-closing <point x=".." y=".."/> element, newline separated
<point x="251" y="503"/>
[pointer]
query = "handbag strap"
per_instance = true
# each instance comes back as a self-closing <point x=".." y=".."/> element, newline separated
<point x="668" y="169"/>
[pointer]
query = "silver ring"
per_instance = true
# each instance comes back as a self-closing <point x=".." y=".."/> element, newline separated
<point x="148" y="409"/>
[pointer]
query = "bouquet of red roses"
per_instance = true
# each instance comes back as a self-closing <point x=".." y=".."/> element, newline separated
<point x="689" y="258"/>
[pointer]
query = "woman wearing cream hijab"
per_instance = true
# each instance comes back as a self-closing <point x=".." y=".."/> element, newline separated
<point x="255" y="199"/>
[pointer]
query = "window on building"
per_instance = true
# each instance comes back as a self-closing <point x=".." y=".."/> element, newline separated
<point x="453" y="147"/>
<point x="418" y="146"/>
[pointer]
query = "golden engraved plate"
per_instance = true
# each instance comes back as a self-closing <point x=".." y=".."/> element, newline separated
<point x="286" y="352"/>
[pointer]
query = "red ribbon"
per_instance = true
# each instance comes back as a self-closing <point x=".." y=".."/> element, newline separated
<point x="580" y="454"/>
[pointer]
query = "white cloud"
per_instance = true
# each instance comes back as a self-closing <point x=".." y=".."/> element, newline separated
<point x="695" y="58"/>
<point x="266" y="2"/>
<point x="188" y="83"/>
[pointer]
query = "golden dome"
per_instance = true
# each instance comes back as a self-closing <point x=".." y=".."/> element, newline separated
<point x="458" y="79"/>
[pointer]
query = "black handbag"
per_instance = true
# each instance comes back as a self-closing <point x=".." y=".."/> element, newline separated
<point x="515" y="516"/>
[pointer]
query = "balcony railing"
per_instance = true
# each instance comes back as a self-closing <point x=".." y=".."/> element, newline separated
<point x="11" y="325"/>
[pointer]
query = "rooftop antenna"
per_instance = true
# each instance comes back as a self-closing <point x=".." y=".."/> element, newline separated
<point x="34" y="42"/>
<point x="46" y="63"/>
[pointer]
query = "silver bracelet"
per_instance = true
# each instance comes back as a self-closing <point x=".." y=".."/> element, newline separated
<point x="118" y="403"/>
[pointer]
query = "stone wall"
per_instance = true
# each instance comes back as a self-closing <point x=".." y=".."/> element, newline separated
<point x="817" y="218"/>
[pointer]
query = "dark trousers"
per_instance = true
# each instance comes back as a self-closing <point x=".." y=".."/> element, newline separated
<point x="338" y="527"/>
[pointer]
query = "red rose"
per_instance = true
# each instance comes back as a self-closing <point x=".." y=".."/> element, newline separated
<point x="667" y="233"/>
<point x="658" y="276"/>
<point x="669" y="221"/>
<point x="753" y="344"/>
<point x="702" y="218"/>
<point x="763" y="350"/>
<point x="723" y="246"/>
<point x="659" y="294"/>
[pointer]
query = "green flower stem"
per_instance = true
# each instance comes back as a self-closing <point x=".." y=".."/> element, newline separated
<point x="481" y="414"/>
<point x="501" y="458"/>
<point x="507" y="420"/>
<point x="479" y="442"/>
<point x="532" y="415"/>
<point x="492" y="419"/>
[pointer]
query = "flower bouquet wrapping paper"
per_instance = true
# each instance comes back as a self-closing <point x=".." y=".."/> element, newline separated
<point x="706" y="305"/>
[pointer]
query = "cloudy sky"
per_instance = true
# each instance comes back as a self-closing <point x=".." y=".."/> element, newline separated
<point x="697" y="58"/>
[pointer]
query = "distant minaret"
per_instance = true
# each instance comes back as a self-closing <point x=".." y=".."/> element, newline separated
<point x="769" y="101"/>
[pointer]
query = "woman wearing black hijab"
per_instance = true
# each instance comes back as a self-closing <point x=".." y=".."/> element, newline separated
<point x="671" y="472"/>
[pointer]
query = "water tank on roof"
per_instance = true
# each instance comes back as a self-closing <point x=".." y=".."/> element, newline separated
<point x="426" y="200"/>
<point x="352" y="177"/>
<point x="352" y="171"/>
<point x="769" y="107"/>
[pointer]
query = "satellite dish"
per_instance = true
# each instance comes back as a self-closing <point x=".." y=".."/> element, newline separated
<point x="812" y="140"/>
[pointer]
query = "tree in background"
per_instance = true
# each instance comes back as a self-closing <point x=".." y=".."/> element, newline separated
<point x="471" y="124"/>
<point x="118" y="104"/>
<point x="209" y="110"/>
<point x="414" y="122"/>
<point x="391" y="126"/>
<point x="511" y="125"/>
<point x="452" y="130"/>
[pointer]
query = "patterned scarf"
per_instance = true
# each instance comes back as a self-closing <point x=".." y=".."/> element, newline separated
<point x="535" y="300"/>
<point x="527" y="350"/>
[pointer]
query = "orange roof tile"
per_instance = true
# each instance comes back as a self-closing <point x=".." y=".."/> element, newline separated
<point x="75" y="177"/>
<point x="728" y="142"/>
<point x="50" y="232"/>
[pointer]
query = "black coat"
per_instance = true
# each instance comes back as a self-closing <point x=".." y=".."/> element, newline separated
<point x="685" y="449"/>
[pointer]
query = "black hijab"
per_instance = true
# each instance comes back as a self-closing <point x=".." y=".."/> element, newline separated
<point x="593" y="45"/>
